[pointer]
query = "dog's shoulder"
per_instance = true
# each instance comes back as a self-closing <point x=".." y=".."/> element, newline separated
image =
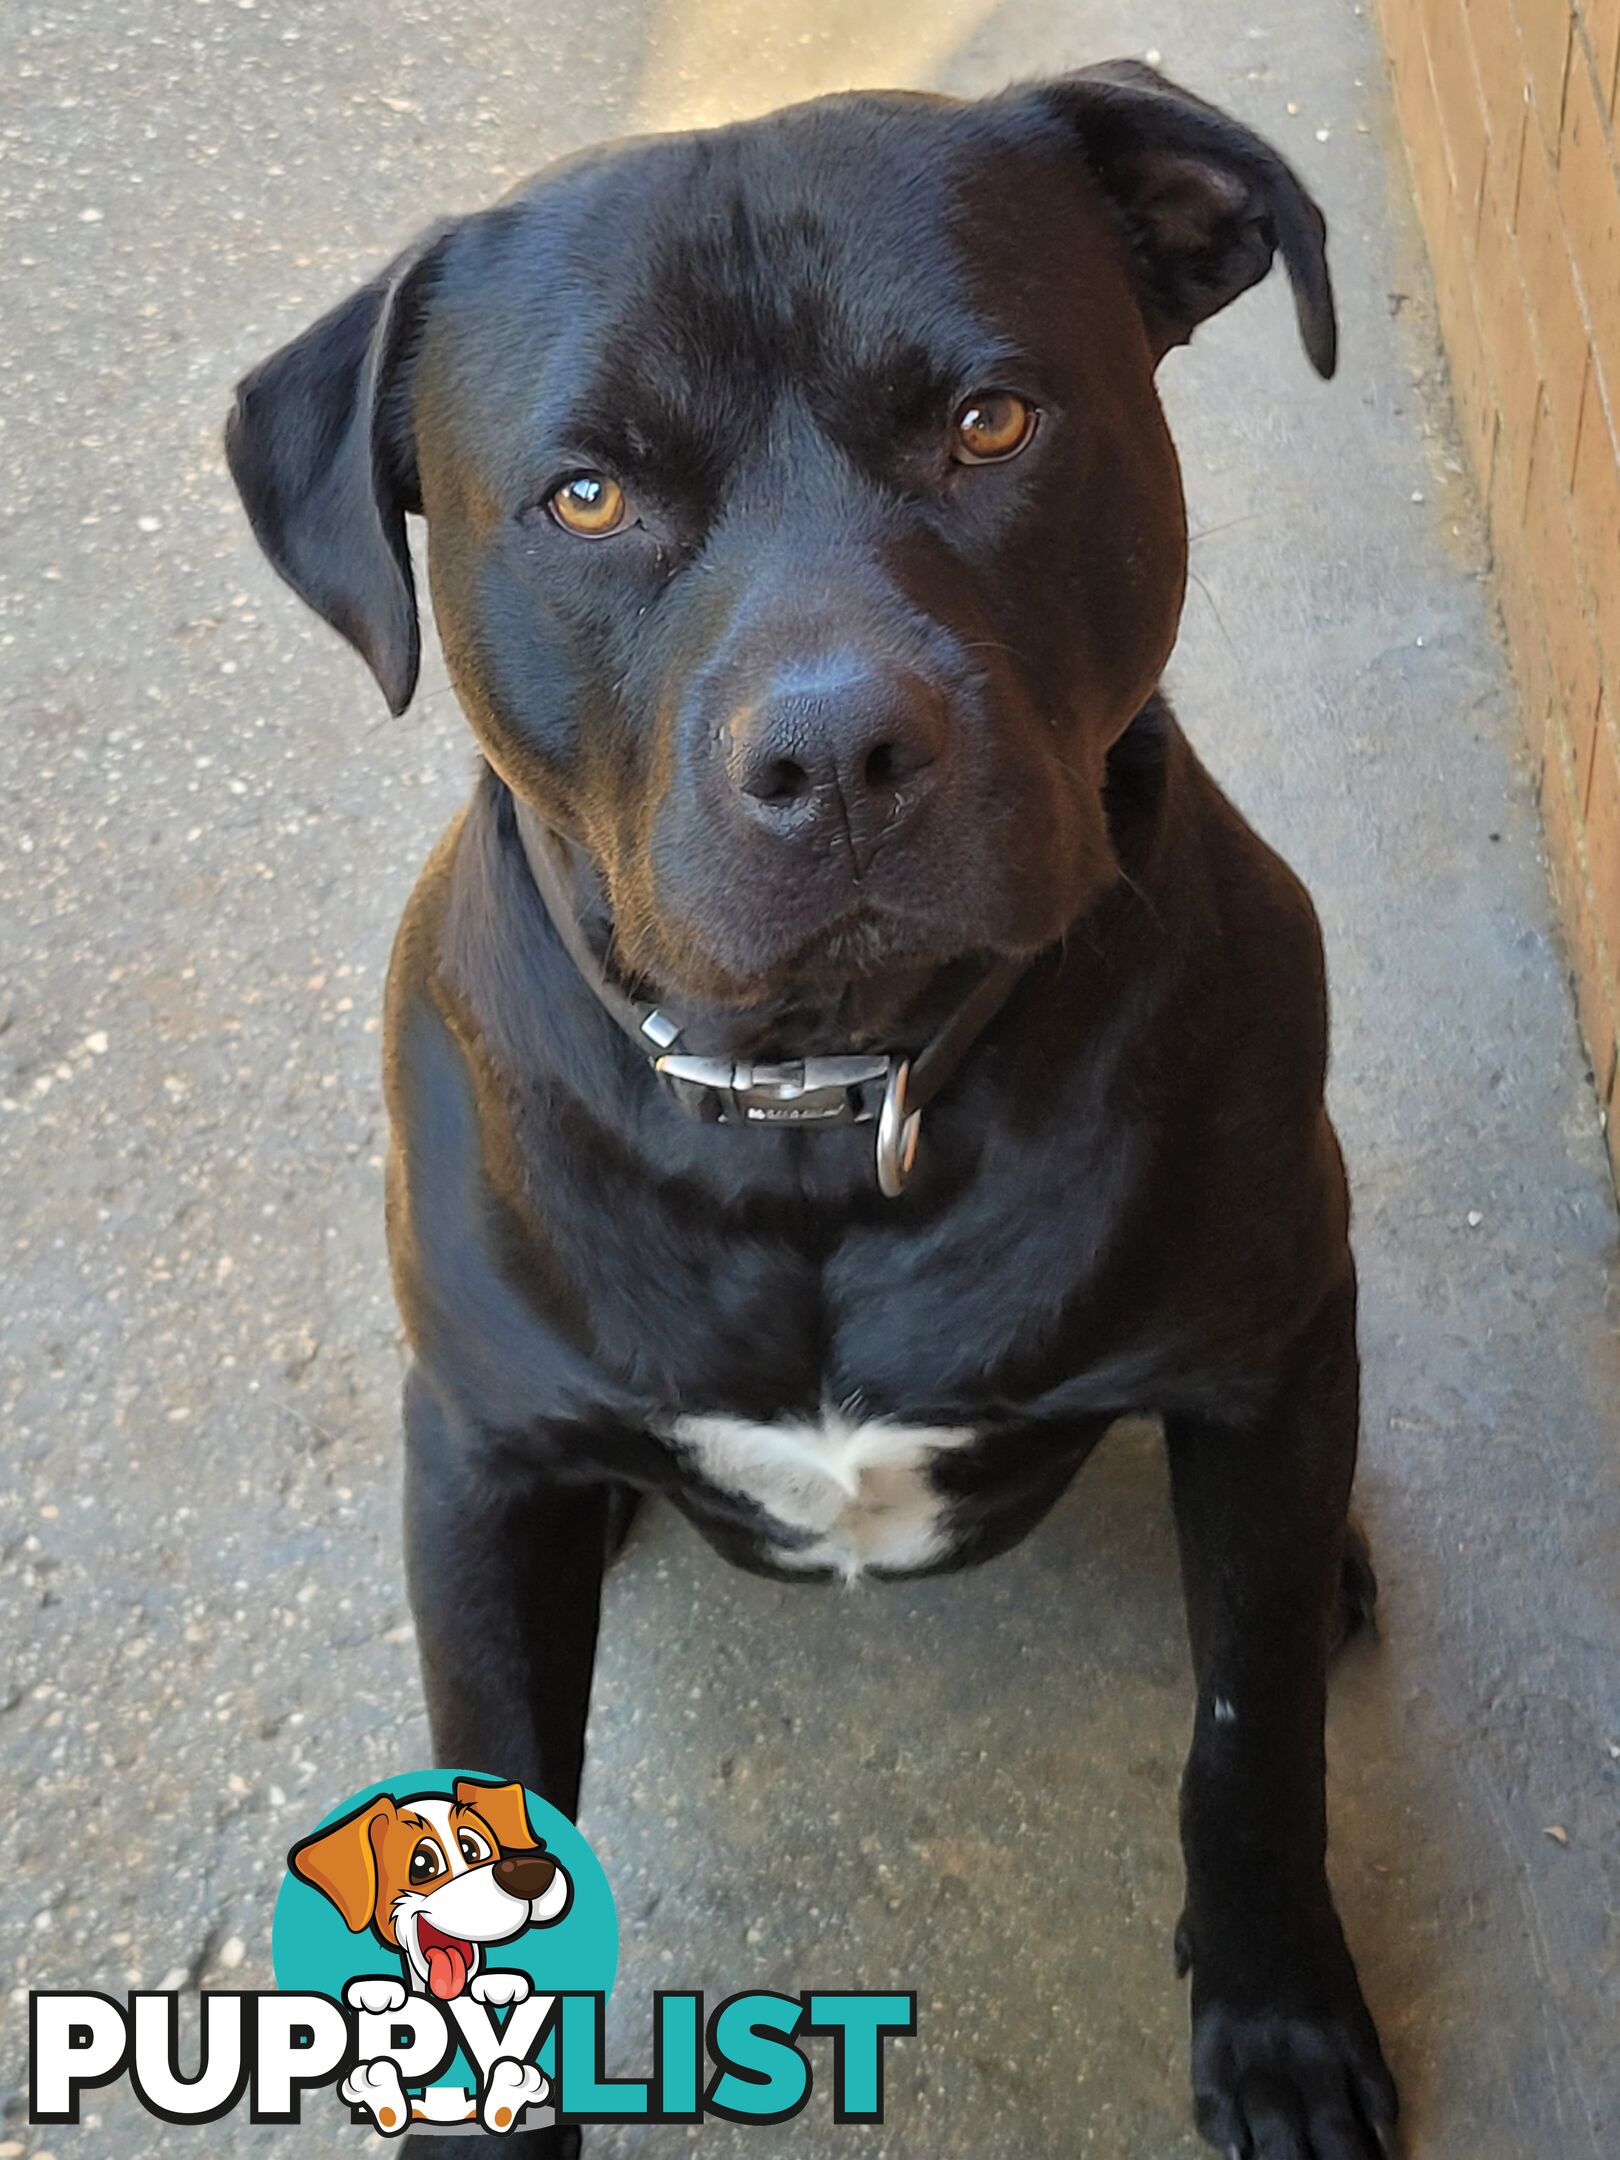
<point x="1250" y="929"/>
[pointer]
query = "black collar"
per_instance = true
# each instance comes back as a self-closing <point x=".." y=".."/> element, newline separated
<point x="855" y="1089"/>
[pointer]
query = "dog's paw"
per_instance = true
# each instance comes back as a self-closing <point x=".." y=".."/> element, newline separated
<point x="1292" y="2086"/>
<point x="377" y="1996"/>
<point x="376" y="2089"/>
<point x="501" y="1988"/>
<point x="508" y="2090"/>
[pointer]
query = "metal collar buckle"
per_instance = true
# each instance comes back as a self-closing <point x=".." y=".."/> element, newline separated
<point x="798" y="1091"/>
<point x="807" y="1091"/>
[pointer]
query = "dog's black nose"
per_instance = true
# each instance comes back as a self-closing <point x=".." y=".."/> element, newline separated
<point x="525" y="1875"/>
<point x="844" y="746"/>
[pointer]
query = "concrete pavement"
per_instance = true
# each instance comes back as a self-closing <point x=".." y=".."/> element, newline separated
<point x="208" y="829"/>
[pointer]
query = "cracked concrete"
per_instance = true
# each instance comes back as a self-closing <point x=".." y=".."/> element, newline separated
<point x="208" y="832"/>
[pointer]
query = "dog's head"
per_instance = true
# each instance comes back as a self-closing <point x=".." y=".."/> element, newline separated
<point x="802" y="523"/>
<point x="437" y="1878"/>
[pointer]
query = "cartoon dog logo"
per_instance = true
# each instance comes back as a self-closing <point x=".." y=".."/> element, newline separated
<point x="437" y="1879"/>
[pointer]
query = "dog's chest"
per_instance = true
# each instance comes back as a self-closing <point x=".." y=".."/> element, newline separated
<point x="849" y="1493"/>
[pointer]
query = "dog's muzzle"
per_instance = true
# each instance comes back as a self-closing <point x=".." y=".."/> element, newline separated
<point x="889" y="1090"/>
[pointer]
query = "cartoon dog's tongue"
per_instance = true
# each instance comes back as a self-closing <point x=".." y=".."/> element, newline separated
<point x="448" y="1961"/>
<point x="447" y="1971"/>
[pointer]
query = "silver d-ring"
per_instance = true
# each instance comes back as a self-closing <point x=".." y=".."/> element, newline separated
<point x="896" y="1134"/>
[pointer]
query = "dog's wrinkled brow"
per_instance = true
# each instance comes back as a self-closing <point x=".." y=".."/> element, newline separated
<point x="628" y="429"/>
<point x="680" y="429"/>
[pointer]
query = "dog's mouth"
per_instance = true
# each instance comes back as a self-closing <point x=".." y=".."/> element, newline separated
<point x="448" y="1959"/>
<point x="846" y="988"/>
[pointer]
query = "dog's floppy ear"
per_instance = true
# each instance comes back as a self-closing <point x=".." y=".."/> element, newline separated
<point x="503" y="1808"/>
<point x="1205" y="202"/>
<point x="319" y="447"/>
<point x="341" y="1861"/>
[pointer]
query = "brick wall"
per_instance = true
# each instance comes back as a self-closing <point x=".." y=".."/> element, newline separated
<point x="1508" y="109"/>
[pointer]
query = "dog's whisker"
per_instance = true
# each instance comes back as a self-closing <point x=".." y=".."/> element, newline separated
<point x="1220" y="619"/>
<point x="1244" y="517"/>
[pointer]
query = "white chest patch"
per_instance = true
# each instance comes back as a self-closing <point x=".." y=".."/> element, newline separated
<point x="863" y="1488"/>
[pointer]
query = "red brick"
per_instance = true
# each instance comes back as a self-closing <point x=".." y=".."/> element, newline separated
<point x="1544" y="31"/>
<point x="1504" y="322"/>
<point x="1571" y="649"/>
<point x="1404" y="38"/>
<point x="1558" y="769"/>
<point x="1589" y="196"/>
<point x="1470" y="374"/>
<point x="1555" y="309"/>
<point x="1595" y="1003"/>
<point x="1505" y="109"/>
<point x="1588" y="950"/>
<point x="1461" y="105"/>
<point x="1558" y="821"/>
<point x="1595" y="515"/>
<point x="1494" y="33"/>
<point x="1561" y="824"/>
<point x="1418" y="119"/>
<point x="1527" y="645"/>
<point x="1425" y="138"/>
<point x="1396" y="18"/>
<point x="1602" y="21"/>
<point x="1603" y="840"/>
<point x="1599" y="994"/>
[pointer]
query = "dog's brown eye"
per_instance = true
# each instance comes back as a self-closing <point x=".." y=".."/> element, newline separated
<point x="990" y="425"/>
<point x="473" y="1848"/>
<point x="590" y="504"/>
<point x="425" y="1861"/>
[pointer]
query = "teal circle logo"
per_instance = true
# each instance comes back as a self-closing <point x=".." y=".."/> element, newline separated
<point x="444" y="1945"/>
<point x="451" y="1891"/>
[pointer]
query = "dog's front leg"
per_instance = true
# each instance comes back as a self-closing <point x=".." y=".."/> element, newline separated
<point x="505" y="1564"/>
<point x="1286" y="2062"/>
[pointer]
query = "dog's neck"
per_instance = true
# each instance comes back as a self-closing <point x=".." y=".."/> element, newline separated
<point x="507" y="979"/>
<point x="897" y="1007"/>
<point x="707" y="1061"/>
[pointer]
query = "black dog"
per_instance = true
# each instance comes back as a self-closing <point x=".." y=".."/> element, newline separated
<point x="807" y="544"/>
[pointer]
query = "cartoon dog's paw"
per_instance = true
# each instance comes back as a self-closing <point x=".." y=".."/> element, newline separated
<point x="377" y="1996"/>
<point x="375" y="2087"/>
<point x="499" y="1989"/>
<point x="508" y="2090"/>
